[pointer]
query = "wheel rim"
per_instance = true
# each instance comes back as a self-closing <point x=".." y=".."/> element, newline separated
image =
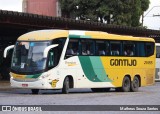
<point x="126" y="83"/>
<point x="65" y="88"/>
<point x="135" y="83"/>
<point x="67" y="84"/>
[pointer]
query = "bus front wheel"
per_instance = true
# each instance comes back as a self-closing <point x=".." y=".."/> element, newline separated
<point x="126" y="84"/>
<point x="65" y="88"/>
<point x="35" y="91"/>
<point x="135" y="84"/>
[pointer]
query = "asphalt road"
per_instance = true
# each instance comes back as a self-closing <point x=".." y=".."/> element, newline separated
<point x="149" y="95"/>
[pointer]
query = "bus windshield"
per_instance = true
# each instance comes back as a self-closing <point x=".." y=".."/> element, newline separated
<point x="28" y="57"/>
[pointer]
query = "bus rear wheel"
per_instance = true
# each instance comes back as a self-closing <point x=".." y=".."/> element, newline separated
<point x="35" y="91"/>
<point x="135" y="84"/>
<point x="65" y="88"/>
<point x="126" y="84"/>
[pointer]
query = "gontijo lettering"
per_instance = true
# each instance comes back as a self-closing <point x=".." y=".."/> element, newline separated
<point x="123" y="62"/>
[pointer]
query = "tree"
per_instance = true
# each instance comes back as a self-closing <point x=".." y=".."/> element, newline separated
<point x="128" y="12"/>
<point x="67" y="7"/>
<point x="122" y="12"/>
<point x="119" y="12"/>
<point x="144" y="7"/>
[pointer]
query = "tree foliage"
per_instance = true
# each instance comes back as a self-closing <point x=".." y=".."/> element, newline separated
<point x="119" y="12"/>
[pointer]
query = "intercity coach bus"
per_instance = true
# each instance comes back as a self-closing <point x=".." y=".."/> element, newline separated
<point x="65" y="59"/>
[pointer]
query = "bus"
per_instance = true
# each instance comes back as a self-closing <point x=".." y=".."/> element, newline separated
<point x="157" y="74"/>
<point x="66" y="59"/>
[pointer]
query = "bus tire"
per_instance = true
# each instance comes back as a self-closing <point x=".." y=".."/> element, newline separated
<point x="65" y="88"/>
<point x="35" y="91"/>
<point x="126" y="85"/>
<point x="135" y="84"/>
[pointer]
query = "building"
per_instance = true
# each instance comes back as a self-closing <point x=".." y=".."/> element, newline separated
<point x="42" y="7"/>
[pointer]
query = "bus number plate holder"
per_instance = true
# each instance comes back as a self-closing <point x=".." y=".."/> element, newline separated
<point x="24" y="85"/>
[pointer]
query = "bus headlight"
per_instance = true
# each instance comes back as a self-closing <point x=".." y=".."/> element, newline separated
<point x="11" y="77"/>
<point x="44" y="75"/>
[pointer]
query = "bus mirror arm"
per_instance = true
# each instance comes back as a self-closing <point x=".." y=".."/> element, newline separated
<point x="46" y="50"/>
<point x="6" y="50"/>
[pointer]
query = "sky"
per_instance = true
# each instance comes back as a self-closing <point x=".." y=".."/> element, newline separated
<point x="152" y="22"/>
<point x="12" y="5"/>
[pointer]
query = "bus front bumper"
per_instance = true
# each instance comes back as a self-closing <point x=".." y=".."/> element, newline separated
<point x="39" y="84"/>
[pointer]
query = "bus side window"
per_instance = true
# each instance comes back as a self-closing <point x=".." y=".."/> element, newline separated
<point x="73" y="48"/>
<point x="115" y="48"/>
<point x="128" y="48"/>
<point x="100" y="48"/>
<point x="51" y="59"/>
<point x="107" y="48"/>
<point x="88" y="47"/>
<point x="149" y="49"/>
<point x="70" y="49"/>
<point x="142" y="51"/>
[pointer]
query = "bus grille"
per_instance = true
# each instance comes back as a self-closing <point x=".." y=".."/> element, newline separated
<point x="25" y="80"/>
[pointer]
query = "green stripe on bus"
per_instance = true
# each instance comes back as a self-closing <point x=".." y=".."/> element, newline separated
<point x="33" y="76"/>
<point x="85" y="36"/>
<point x="79" y="36"/>
<point x="74" y="36"/>
<point x="88" y="69"/>
<point x="99" y="69"/>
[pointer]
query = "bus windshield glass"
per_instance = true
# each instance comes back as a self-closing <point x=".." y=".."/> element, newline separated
<point x="28" y="57"/>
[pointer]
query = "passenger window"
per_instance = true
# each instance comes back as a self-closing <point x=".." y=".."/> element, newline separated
<point x="128" y="48"/>
<point x="141" y="49"/>
<point x="50" y="59"/>
<point x="102" y="48"/>
<point x="53" y="58"/>
<point x="73" y="48"/>
<point x="115" y="48"/>
<point x="88" y="47"/>
<point x="149" y="49"/>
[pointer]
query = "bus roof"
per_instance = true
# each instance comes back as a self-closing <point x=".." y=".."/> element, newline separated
<point x="42" y="35"/>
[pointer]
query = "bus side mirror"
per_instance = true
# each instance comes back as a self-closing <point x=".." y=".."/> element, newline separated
<point x="46" y="50"/>
<point x="6" y="50"/>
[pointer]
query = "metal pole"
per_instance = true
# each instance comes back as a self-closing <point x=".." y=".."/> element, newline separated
<point x="143" y="16"/>
<point x="156" y="15"/>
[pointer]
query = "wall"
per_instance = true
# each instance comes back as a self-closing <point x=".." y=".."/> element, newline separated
<point x="42" y="7"/>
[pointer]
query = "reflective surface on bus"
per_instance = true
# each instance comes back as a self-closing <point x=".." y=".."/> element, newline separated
<point x="28" y="56"/>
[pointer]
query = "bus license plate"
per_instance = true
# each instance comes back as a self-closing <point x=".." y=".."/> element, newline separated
<point x="24" y="85"/>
